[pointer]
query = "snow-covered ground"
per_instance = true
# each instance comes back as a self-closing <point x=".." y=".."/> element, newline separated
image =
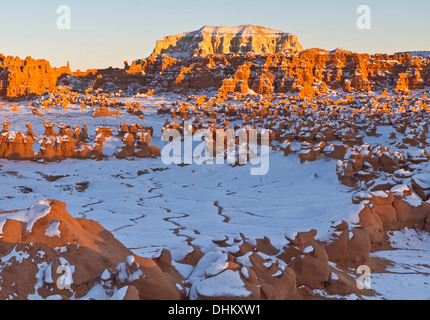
<point x="409" y="275"/>
<point x="148" y="205"/>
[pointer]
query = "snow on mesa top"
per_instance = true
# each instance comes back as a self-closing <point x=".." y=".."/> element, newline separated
<point x="220" y="40"/>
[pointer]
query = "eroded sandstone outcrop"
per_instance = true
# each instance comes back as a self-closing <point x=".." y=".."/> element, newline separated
<point x="309" y="73"/>
<point x="29" y="76"/>
<point x="48" y="254"/>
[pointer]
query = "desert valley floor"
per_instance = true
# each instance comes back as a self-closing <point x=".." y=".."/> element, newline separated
<point x="149" y="206"/>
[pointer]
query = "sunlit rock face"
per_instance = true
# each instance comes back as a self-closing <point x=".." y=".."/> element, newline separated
<point x="20" y="77"/>
<point x="221" y="40"/>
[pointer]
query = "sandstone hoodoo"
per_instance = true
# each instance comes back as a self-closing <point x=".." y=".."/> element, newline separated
<point x="222" y="40"/>
<point x="48" y="254"/>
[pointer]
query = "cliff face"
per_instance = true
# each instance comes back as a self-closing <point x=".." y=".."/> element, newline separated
<point x="30" y="76"/>
<point x="221" y="40"/>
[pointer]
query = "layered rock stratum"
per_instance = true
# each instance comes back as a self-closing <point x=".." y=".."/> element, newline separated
<point x="222" y="40"/>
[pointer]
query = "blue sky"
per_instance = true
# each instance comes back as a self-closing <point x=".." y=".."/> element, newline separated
<point x="105" y="33"/>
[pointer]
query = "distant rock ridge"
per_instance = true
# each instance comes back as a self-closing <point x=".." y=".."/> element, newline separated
<point x="418" y="53"/>
<point x="221" y="40"/>
<point x="309" y="73"/>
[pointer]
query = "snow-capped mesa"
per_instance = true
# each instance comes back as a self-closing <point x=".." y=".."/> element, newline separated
<point x="418" y="53"/>
<point x="221" y="40"/>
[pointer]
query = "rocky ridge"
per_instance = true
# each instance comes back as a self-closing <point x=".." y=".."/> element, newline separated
<point x="310" y="73"/>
